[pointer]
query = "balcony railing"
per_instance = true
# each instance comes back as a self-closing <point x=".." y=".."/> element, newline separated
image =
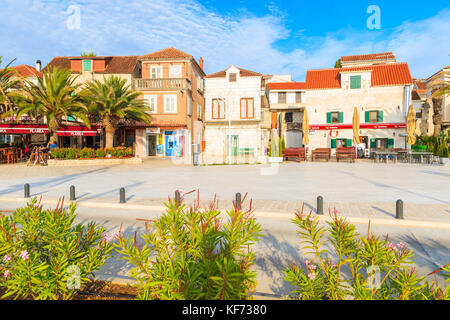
<point x="161" y="84"/>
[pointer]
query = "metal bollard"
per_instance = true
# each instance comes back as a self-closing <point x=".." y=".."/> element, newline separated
<point x="26" y="190"/>
<point x="122" y="195"/>
<point x="177" y="197"/>
<point x="72" y="192"/>
<point x="399" y="209"/>
<point x="319" y="205"/>
<point x="238" y="201"/>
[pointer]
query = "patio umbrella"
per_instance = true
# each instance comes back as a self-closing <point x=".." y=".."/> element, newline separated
<point x="355" y="125"/>
<point x="305" y="127"/>
<point x="411" y="125"/>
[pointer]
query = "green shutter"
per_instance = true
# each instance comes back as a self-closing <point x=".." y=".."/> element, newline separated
<point x="380" y="116"/>
<point x="328" y="117"/>
<point x="333" y="143"/>
<point x="367" y="116"/>
<point x="390" y="143"/>
<point x="355" y="82"/>
<point x="349" y="143"/>
<point x="341" y="117"/>
<point x="373" y="143"/>
<point x="87" y="65"/>
<point x="70" y="118"/>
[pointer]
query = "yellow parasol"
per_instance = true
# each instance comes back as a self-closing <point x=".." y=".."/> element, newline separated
<point x="411" y="125"/>
<point x="305" y="127"/>
<point x="355" y="125"/>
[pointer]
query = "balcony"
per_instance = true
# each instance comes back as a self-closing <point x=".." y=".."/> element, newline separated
<point x="161" y="84"/>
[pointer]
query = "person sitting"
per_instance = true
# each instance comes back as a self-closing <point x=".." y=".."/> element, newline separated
<point x="52" y="146"/>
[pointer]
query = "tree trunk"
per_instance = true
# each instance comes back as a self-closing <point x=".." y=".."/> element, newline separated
<point x="110" y="129"/>
<point x="53" y="128"/>
<point x="437" y="115"/>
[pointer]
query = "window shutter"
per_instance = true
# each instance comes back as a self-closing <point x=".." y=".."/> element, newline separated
<point x="333" y="143"/>
<point x="367" y="116"/>
<point x="87" y="65"/>
<point x="355" y="82"/>
<point x="328" y="117"/>
<point x="341" y="117"/>
<point x="390" y="143"/>
<point x="380" y="116"/>
<point x="349" y="143"/>
<point x="373" y="143"/>
<point x="250" y="108"/>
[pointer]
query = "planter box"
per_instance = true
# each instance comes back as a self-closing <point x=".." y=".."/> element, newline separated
<point x="275" y="159"/>
<point x="445" y="161"/>
<point x="93" y="162"/>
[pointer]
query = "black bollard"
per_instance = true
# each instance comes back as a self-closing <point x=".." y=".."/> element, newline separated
<point x="122" y="195"/>
<point x="399" y="209"/>
<point x="319" y="205"/>
<point x="238" y="201"/>
<point x="72" y="192"/>
<point x="26" y="190"/>
<point x="177" y="197"/>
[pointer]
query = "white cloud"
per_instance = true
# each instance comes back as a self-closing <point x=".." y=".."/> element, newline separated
<point x="37" y="29"/>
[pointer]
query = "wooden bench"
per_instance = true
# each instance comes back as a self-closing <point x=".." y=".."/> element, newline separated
<point x="345" y="154"/>
<point x="321" y="153"/>
<point x="298" y="153"/>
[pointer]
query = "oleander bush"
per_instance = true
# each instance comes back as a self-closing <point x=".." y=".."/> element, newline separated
<point x="100" y="153"/>
<point x="376" y="268"/>
<point x="45" y="255"/>
<point x="192" y="253"/>
<point x="89" y="153"/>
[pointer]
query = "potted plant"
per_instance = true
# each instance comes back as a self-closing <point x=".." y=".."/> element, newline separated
<point x="444" y="153"/>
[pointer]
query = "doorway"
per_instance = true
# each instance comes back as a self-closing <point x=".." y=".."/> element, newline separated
<point x="233" y="148"/>
<point x="151" y="143"/>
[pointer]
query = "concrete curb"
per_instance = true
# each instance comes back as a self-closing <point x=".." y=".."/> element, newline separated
<point x="259" y="214"/>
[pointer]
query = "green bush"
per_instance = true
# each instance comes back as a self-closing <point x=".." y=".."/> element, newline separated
<point x="58" y="153"/>
<point x="45" y="255"/>
<point x="444" y="148"/>
<point x="100" y="153"/>
<point x="87" y="153"/>
<point x="378" y="269"/>
<point x="190" y="253"/>
<point x="71" y="153"/>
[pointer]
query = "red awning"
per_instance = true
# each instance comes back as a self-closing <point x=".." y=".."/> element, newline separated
<point x="38" y="128"/>
<point x="362" y="126"/>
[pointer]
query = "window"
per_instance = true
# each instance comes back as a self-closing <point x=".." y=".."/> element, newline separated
<point x="298" y="97"/>
<point x="288" y="117"/>
<point x="199" y="111"/>
<point x="247" y="111"/>
<point x="281" y="97"/>
<point x="170" y="103"/>
<point x="374" y="116"/>
<point x="218" y="109"/>
<point x="200" y="83"/>
<point x="381" y="143"/>
<point x="152" y="102"/>
<point x="175" y="71"/>
<point x="355" y="82"/>
<point x="341" y="143"/>
<point x="232" y="77"/>
<point x="87" y="65"/>
<point x="155" y="72"/>
<point x="334" y="117"/>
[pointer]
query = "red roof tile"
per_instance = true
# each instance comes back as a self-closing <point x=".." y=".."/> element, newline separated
<point x="382" y="75"/>
<point x="166" y="53"/>
<point x="368" y="57"/>
<point x="242" y="73"/>
<point x="286" y="85"/>
<point x="115" y="64"/>
<point x="27" y="71"/>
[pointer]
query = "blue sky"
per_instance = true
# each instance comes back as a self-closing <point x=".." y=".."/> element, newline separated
<point x="271" y="37"/>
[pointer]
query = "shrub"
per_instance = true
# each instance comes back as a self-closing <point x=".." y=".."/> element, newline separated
<point x="58" y="153"/>
<point x="71" y="153"/>
<point x="86" y="153"/>
<point x="192" y="254"/>
<point x="45" y="255"/>
<point x="100" y="153"/>
<point x="377" y="268"/>
<point x="444" y="148"/>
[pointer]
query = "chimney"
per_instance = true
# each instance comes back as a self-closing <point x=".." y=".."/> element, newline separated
<point x="200" y="62"/>
<point x="38" y="65"/>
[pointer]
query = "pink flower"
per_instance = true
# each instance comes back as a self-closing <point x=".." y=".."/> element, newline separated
<point x="6" y="274"/>
<point x="312" y="266"/>
<point x="307" y="262"/>
<point x="6" y="258"/>
<point x="401" y="245"/>
<point x="311" y="276"/>
<point x="24" y="255"/>
<point x="106" y="237"/>
<point x="333" y="265"/>
<point x="311" y="219"/>
<point x="391" y="246"/>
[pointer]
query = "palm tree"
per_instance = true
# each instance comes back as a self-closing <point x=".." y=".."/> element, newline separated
<point x="441" y="89"/>
<point x="6" y="84"/>
<point x="113" y="100"/>
<point x="53" y="98"/>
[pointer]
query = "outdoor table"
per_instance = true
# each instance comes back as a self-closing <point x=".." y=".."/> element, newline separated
<point x="379" y="154"/>
<point x="422" y="155"/>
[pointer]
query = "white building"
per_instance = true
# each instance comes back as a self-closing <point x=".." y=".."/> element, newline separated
<point x="235" y="104"/>
<point x="380" y="91"/>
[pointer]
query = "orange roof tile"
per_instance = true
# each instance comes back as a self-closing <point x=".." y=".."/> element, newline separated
<point x="166" y="53"/>
<point x="286" y="85"/>
<point x="27" y="71"/>
<point x="368" y="57"/>
<point x="114" y="65"/>
<point x="242" y="73"/>
<point x="382" y="75"/>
